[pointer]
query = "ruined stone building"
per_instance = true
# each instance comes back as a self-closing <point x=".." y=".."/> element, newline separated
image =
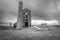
<point x="23" y="17"/>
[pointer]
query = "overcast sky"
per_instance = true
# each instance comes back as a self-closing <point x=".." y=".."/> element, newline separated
<point x="41" y="9"/>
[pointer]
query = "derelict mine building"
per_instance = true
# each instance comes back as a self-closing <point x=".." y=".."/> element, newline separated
<point x="24" y="17"/>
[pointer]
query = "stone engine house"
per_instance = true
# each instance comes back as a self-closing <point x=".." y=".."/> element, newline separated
<point x="23" y="17"/>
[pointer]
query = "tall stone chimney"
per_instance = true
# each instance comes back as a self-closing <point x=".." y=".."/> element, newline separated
<point x="20" y="15"/>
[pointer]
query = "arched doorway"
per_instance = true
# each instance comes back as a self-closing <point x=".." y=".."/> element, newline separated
<point x="26" y="24"/>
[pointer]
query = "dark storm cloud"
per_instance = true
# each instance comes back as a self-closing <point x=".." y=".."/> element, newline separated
<point x="41" y="11"/>
<point x="49" y="9"/>
<point x="9" y="8"/>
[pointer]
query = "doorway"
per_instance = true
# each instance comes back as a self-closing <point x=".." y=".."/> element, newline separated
<point x="26" y="24"/>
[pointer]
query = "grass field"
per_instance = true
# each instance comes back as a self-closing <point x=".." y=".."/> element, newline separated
<point x="30" y="34"/>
